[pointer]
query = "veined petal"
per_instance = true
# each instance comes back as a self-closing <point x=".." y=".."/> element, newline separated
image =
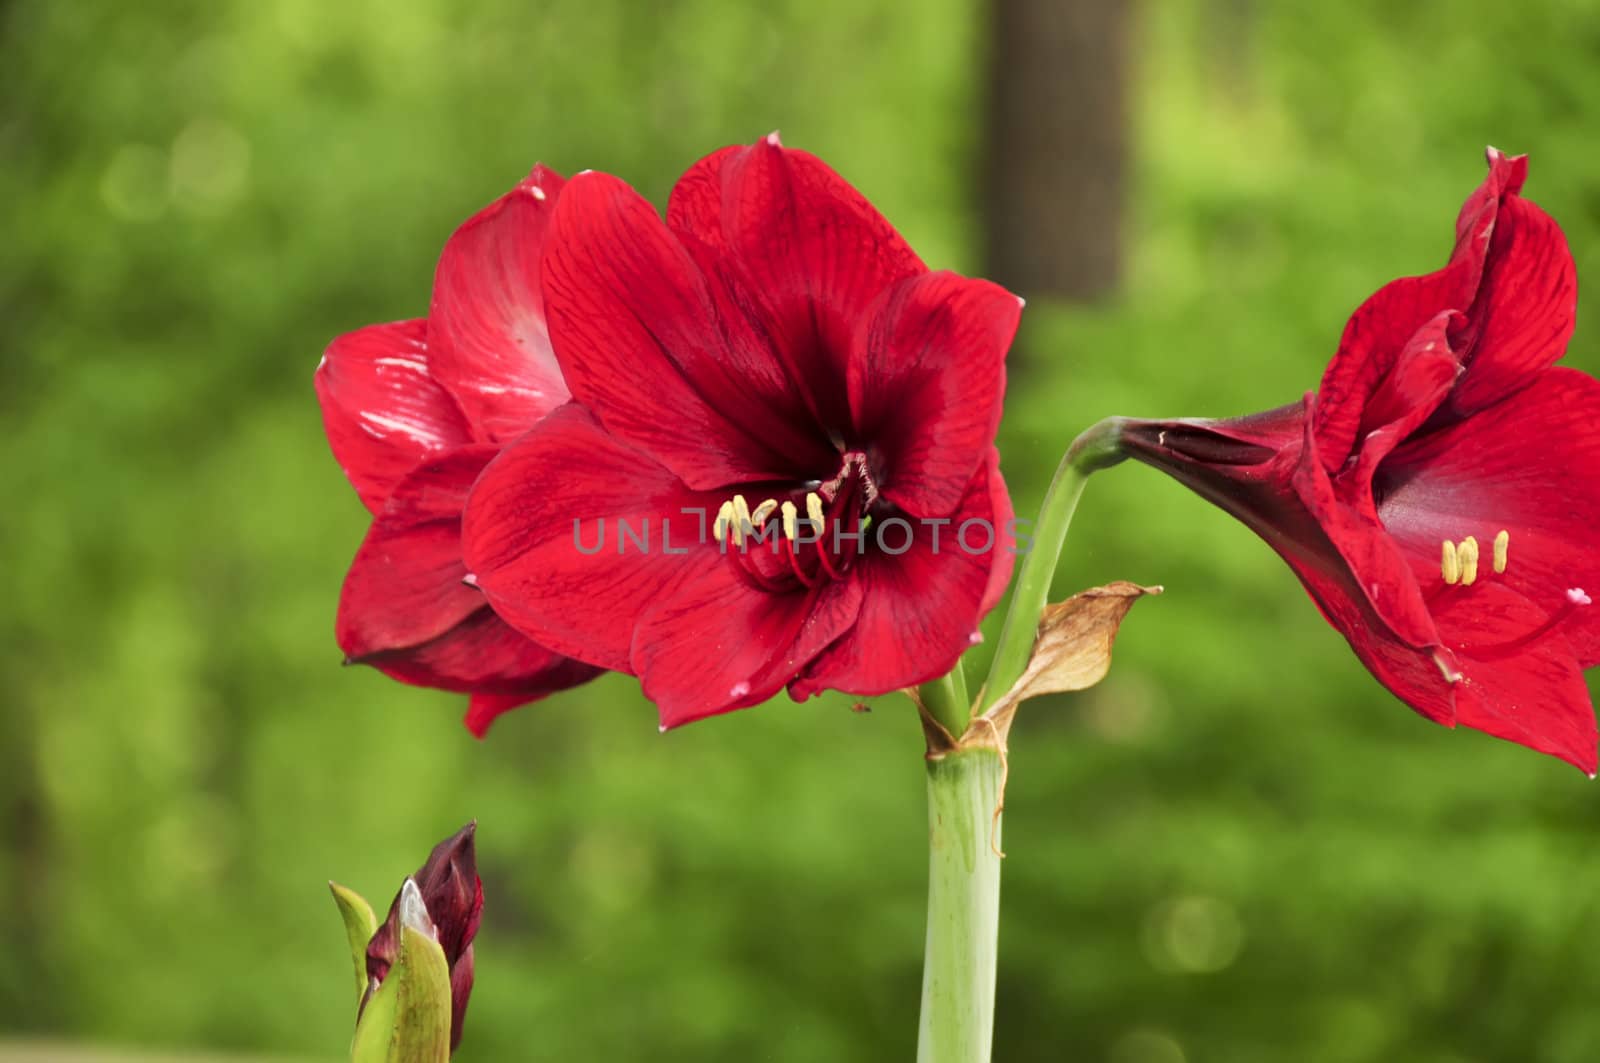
<point x="484" y="656"/>
<point x="383" y="412"/>
<point x="811" y="253"/>
<point x="1525" y="309"/>
<point x="920" y="608"/>
<point x="1376" y="574"/>
<point x="487" y="323"/>
<point x="1373" y="342"/>
<point x="545" y="536"/>
<point x="1531" y="692"/>
<point x="637" y="334"/>
<point x="718" y="644"/>
<point x="404" y="586"/>
<point x="1529" y="466"/>
<point x="927" y="376"/>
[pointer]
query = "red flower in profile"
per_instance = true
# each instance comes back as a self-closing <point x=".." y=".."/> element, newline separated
<point x="451" y="894"/>
<point x="791" y="408"/>
<point x="414" y="410"/>
<point x="1439" y="495"/>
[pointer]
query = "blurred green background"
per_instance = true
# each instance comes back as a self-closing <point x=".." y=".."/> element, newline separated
<point x="1239" y="848"/>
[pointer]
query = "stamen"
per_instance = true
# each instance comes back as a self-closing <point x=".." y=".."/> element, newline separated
<point x="759" y="515"/>
<point x="790" y="524"/>
<point x="1467" y="554"/>
<point x="719" y="530"/>
<point x="741" y="519"/>
<point x="1502" y="546"/>
<point x="1449" y="566"/>
<point x="814" y="510"/>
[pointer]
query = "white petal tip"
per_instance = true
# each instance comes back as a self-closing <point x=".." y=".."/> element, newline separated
<point x="470" y="580"/>
<point x="974" y="638"/>
<point x="1576" y="596"/>
<point x="772" y="138"/>
<point x="739" y="690"/>
<point x="537" y="193"/>
<point x="413" y="912"/>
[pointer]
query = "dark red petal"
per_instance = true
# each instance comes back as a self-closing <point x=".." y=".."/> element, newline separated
<point x="1525" y="310"/>
<point x="640" y="344"/>
<point x="1529" y="465"/>
<point x="484" y="654"/>
<point x="484" y="709"/>
<point x="1379" y="330"/>
<point x="382" y="410"/>
<point x="927" y="376"/>
<point x="536" y="543"/>
<point x="1373" y="341"/>
<point x="1535" y="695"/>
<point x="696" y="205"/>
<point x="719" y="644"/>
<point x="920" y="609"/>
<point x="404" y="586"/>
<point x="461" y="973"/>
<point x="1373" y="569"/>
<point x="813" y="255"/>
<point x="1420" y="380"/>
<point x="487" y="322"/>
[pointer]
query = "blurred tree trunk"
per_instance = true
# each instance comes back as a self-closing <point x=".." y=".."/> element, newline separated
<point x="1057" y="145"/>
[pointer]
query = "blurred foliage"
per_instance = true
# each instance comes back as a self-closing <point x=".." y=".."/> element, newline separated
<point x="1239" y="848"/>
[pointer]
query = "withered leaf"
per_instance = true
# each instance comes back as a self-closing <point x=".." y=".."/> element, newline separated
<point x="1073" y="648"/>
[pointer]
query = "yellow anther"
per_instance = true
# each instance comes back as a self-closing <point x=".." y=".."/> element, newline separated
<point x="814" y="510"/>
<point x="759" y="515"/>
<point x="741" y="519"/>
<point x="791" y="525"/>
<point x="1502" y="546"/>
<point x="1450" y="565"/>
<point x="1467" y="554"/>
<point x="719" y="530"/>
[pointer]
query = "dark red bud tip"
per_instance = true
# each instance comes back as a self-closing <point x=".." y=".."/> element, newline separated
<point x="451" y="895"/>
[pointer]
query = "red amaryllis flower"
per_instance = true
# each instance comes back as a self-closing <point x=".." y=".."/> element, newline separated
<point x="1439" y="495"/>
<point x="451" y="894"/>
<point x="414" y="410"/>
<point x="795" y="413"/>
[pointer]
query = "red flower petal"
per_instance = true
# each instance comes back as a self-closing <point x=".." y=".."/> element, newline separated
<point x="718" y="644"/>
<point x="536" y="543"/>
<point x="1525" y="310"/>
<point x="926" y="380"/>
<point x="1529" y="465"/>
<point x="381" y="408"/>
<point x="1374" y="570"/>
<point x="920" y="609"/>
<point x="812" y="254"/>
<point x="404" y="586"/>
<point x="640" y="344"/>
<point x="487" y="325"/>
<point x="1535" y="695"/>
<point x="486" y="656"/>
<point x="1373" y="340"/>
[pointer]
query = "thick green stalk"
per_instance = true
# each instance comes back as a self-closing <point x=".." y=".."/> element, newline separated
<point x="963" y="907"/>
<point x="1097" y="448"/>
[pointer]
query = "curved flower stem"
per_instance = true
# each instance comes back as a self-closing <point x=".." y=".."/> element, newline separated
<point x="958" y="970"/>
<point x="1098" y="447"/>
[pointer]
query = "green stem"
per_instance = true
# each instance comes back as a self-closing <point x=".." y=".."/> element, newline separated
<point x="946" y="700"/>
<point x="963" y="907"/>
<point x="1097" y="448"/>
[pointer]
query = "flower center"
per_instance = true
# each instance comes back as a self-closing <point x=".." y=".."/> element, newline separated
<point x="802" y="537"/>
<point x="1458" y="565"/>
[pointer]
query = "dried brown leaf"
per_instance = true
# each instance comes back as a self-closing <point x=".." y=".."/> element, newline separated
<point x="1073" y="648"/>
